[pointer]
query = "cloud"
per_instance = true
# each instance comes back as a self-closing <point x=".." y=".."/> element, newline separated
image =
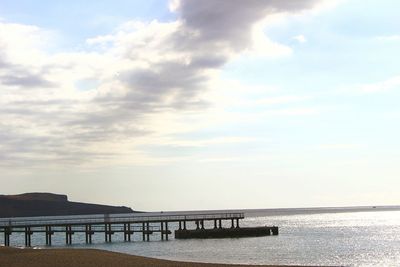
<point x="378" y="87"/>
<point x="388" y="38"/>
<point x="300" y="38"/>
<point x="24" y="79"/>
<point x="140" y="74"/>
<point x="340" y="146"/>
<point x="281" y="100"/>
<point x="231" y="22"/>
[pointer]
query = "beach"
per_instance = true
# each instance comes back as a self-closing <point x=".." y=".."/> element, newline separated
<point x="14" y="257"/>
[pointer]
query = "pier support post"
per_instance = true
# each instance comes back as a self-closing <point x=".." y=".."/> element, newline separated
<point x="144" y="232"/>
<point x="68" y="234"/>
<point x="47" y="236"/>
<point x="88" y="234"/>
<point x="220" y="223"/>
<point x="26" y="237"/>
<point x="7" y="233"/>
<point x="162" y="230"/>
<point x="148" y="231"/>
<point x="28" y="234"/>
<point x="237" y="223"/>
<point x="202" y="224"/>
<point x="109" y="232"/>
<point x="129" y="232"/>
<point x="180" y="225"/>
<point x="105" y="233"/>
<point x="125" y="233"/>
<point x="184" y="225"/>
<point x="6" y="239"/>
<point x="49" y="233"/>
<point x="215" y="224"/>
<point x="197" y="225"/>
<point x="233" y="223"/>
<point x="166" y="231"/>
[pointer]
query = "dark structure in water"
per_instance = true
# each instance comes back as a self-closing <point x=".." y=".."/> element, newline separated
<point x="227" y="232"/>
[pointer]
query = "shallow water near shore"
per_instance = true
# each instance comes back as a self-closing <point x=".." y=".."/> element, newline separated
<point x="362" y="238"/>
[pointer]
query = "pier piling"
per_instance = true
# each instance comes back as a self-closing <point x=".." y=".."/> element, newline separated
<point x="49" y="233"/>
<point x="28" y="234"/>
<point x="166" y="231"/>
<point x="162" y="230"/>
<point x="7" y="233"/>
<point x="68" y="234"/>
<point x="143" y="232"/>
<point x="148" y="231"/>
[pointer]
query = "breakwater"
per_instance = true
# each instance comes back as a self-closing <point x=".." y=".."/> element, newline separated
<point x="227" y="232"/>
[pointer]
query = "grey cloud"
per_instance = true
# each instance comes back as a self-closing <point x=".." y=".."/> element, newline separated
<point x="20" y="76"/>
<point x="164" y="77"/>
<point x="210" y="31"/>
<point x="65" y="145"/>
<point x="3" y="63"/>
<point x="208" y="62"/>
<point x="25" y="80"/>
<point x="231" y="20"/>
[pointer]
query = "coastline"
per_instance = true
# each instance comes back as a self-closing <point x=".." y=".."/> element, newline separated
<point x="16" y="257"/>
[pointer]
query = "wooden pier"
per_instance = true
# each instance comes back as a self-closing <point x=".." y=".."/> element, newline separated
<point x="109" y="225"/>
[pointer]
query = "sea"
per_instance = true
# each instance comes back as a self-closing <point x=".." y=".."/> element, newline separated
<point x="356" y="236"/>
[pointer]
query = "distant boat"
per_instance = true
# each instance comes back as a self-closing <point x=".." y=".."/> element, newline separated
<point x="374" y="207"/>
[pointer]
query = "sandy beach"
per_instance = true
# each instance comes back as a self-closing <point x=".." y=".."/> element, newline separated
<point x="14" y="257"/>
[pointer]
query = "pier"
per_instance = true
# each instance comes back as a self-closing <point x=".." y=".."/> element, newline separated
<point x="109" y="225"/>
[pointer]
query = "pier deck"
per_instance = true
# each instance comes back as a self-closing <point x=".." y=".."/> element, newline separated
<point x="108" y="225"/>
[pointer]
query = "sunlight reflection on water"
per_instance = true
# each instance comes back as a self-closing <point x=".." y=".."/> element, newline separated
<point x="351" y="239"/>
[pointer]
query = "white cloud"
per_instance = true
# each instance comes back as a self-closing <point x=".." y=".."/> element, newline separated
<point x="300" y="38"/>
<point x="293" y="112"/>
<point x="206" y="142"/>
<point x="388" y="38"/>
<point x="263" y="46"/>
<point x="275" y="100"/>
<point x="340" y="146"/>
<point x="378" y="87"/>
<point x="389" y="84"/>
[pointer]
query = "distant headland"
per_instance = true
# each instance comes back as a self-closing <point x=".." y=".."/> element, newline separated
<point x="48" y="204"/>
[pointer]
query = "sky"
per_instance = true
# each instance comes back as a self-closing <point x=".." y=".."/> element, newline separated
<point x="193" y="105"/>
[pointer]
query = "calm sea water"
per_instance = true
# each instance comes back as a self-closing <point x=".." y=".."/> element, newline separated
<point x="306" y="238"/>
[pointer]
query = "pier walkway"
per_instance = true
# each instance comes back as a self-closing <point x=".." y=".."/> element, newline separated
<point x="108" y="225"/>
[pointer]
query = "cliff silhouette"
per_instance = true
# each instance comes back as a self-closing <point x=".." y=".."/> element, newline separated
<point x="48" y="204"/>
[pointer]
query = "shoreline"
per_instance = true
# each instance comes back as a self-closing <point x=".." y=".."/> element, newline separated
<point x="16" y="257"/>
